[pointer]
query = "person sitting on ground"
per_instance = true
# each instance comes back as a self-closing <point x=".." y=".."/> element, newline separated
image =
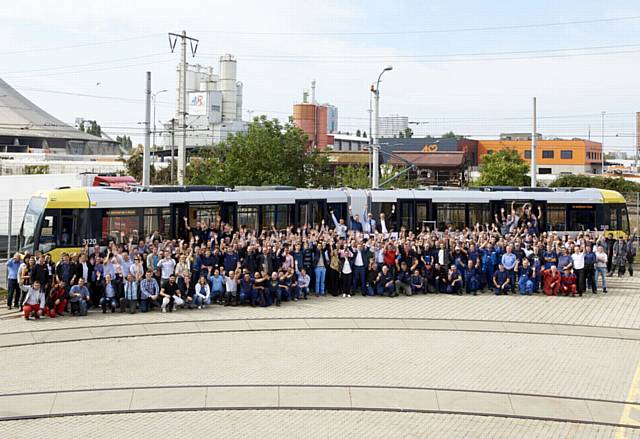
<point x="34" y="301"/>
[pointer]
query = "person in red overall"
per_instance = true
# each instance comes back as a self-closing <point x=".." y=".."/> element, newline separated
<point x="57" y="301"/>
<point x="551" y="281"/>
<point x="568" y="283"/>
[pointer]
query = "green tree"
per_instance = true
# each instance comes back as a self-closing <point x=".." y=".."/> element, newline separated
<point x="358" y="132"/>
<point x="269" y="153"/>
<point x="618" y="184"/>
<point x="401" y="134"/>
<point x="355" y="177"/>
<point x="408" y="133"/>
<point x="364" y="134"/>
<point x="81" y="126"/>
<point x="450" y="135"/>
<point x="503" y="168"/>
<point x="94" y="129"/>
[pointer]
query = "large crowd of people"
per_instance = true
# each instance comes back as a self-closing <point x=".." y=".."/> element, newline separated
<point x="217" y="265"/>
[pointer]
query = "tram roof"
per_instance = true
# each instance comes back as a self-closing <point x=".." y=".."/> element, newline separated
<point x="103" y="197"/>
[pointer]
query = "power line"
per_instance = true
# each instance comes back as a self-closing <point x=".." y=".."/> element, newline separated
<point x="435" y="31"/>
<point x="83" y="65"/>
<point x="75" y="46"/>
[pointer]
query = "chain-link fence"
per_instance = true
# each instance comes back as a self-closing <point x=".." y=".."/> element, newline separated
<point x="633" y="207"/>
<point x="11" y="213"/>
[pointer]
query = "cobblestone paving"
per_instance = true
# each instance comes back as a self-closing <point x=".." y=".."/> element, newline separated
<point x="302" y="424"/>
<point x="554" y="365"/>
<point x="620" y="308"/>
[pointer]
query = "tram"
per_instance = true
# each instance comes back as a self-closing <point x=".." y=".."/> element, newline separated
<point x="67" y="219"/>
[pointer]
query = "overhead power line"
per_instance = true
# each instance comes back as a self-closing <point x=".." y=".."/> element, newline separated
<point x="435" y="31"/>
<point x="76" y="46"/>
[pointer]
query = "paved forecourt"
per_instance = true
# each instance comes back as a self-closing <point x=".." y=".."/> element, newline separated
<point x="532" y="366"/>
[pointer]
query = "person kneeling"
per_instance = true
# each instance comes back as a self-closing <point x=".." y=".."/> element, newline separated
<point x="57" y="301"/>
<point x="79" y="298"/>
<point x="568" y="284"/>
<point x="202" y="296"/>
<point x="33" y="301"/>
<point x="129" y="295"/>
<point x="501" y="282"/>
<point x="171" y="295"/>
<point x="454" y="281"/>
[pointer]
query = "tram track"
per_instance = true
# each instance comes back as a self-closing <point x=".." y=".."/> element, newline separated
<point x="213" y="326"/>
<point x="128" y="400"/>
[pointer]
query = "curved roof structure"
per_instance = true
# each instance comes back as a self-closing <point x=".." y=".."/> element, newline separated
<point x="19" y="117"/>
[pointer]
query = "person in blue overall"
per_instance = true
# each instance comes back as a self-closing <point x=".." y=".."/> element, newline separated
<point x="527" y="275"/>
<point x="471" y="283"/>
<point x="501" y="281"/>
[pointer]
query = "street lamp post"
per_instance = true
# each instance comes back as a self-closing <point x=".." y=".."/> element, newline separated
<point x="153" y="98"/>
<point x="375" y="174"/>
<point x="602" y="144"/>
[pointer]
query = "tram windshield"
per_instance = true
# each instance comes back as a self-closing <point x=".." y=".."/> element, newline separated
<point x="30" y="222"/>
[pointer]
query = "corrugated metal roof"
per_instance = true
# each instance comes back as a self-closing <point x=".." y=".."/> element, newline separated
<point x="434" y="159"/>
<point x="20" y="117"/>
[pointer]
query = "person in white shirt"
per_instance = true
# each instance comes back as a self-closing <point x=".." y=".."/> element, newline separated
<point x="346" y="273"/>
<point x="167" y="267"/>
<point x="601" y="267"/>
<point x="33" y="301"/>
<point x="231" y="289"/>
<point x="577" y="259"/>
<point x="341" y="228"/>
<point x="203" y="293"/>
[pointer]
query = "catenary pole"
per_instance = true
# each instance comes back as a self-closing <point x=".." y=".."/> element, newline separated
<point x="146" y="157"/>
<point x="534" y="141"/>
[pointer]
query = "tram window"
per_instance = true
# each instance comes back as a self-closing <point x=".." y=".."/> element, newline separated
<point x="68" y="228"/>
<point x="613" y="219"/>
<point x="206" y="213"/>
<point x="422" y="213"/>
<point x="624" y="220"/>
<point x="121" y="225"/>
<point x="278" y="215"/>
<point x="405" y="215"/>
<point x="248" y="216"/>
<point x="156" y="220"/>
<point x="48" y="231"/>
<point x="582" y="219"/>
<point x="557" y="218"/>
<point x="479" y="213"/>
<point x="451" y="214"/>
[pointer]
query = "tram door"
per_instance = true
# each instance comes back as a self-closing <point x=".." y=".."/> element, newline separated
<point x="413" y="214"/>
<point x="309" y="212"/>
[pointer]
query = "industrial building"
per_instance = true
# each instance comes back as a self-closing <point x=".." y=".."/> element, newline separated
<point x="214" y="106"/>
<point x="553" y="156"/>
<point x="316" y="120"/>
<point x="25" y="127"/>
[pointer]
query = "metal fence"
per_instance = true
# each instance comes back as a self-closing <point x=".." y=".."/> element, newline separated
<point x="11" y="213"/>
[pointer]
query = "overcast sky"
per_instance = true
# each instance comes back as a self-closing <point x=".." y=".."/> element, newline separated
<point x="472" y="68"/>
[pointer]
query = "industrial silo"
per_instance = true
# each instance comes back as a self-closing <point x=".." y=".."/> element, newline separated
<point x="228" y="67"/>
<point x="239" y="100"/>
